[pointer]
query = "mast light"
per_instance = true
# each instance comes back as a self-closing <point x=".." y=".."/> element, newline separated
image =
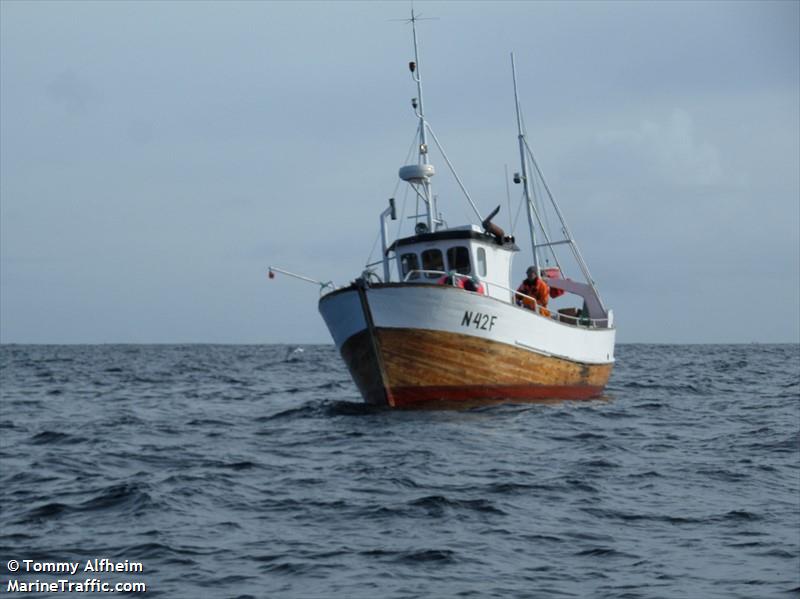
<point x="412" y="66"/>
<point x="414" y="103"/>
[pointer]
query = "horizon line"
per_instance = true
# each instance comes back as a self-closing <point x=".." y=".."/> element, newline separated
<point x="330" y="343"/>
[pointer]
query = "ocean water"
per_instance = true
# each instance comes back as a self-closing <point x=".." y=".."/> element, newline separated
<point x="256" y="471"/>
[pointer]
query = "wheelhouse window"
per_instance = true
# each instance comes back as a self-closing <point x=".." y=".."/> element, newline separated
<point x="481" y="262"/>
<point x="433" y="260"/>
<point x="408" y="263"/>
<point x="458" y="260"/>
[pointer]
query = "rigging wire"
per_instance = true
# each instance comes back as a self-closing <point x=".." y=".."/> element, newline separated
<point x="519" y="209"/>
<point x="575" y="251"/>
<point x="402" y="214"/>
<point x="394" y="193"/>
<point x="533" y="202"/>
<point x="455" y="174"/>
<point x="538" y="203"/>
<point x="508" y="197"/>
<point x="544" y="223"/>
<point x="405" y="194"/>
<point x="372" y="251"/>
<point x="416" y="191"/>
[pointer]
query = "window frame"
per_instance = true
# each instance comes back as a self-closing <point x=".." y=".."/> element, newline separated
<point x="480" y="259"/>
<point x="454" y="251"/>
<point x="426" y="264"/>
<point x="403" y="271"/>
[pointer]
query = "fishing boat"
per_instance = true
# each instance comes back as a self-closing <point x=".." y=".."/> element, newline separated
<point x="436" y="318"/>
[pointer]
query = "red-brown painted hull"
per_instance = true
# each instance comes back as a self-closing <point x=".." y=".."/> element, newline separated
<point x="409" y="368"/>
<point x="404" y="396"/>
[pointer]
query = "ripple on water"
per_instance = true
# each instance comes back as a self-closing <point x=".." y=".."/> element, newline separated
<point x="253" y="471"/>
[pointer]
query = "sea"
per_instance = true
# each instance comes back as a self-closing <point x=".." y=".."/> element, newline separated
<point x="258" y="472"/>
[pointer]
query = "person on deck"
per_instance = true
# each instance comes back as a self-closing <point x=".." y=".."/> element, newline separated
<point x="468" y="283"/>
<point x="474" y="284"/>
<point x="532" y="291"/>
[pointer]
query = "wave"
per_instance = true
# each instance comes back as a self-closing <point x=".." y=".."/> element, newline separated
<point x="54" y="437"/>
<point x="437" y="503"/>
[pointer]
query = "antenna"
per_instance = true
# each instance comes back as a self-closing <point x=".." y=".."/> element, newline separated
<point x="418" y="175"/>
<point x="418" y="105"/>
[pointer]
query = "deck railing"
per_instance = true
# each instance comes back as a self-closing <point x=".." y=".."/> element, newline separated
<point x="578" y="321"/>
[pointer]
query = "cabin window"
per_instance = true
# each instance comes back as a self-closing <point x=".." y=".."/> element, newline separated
<point x="458" y="259"/>
<point x="409" y="262"/>
<point x="433" y="260"/>
<point x="481" y="262"/>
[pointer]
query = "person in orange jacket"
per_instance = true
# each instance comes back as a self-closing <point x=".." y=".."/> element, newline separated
<point x="536" y="290"/>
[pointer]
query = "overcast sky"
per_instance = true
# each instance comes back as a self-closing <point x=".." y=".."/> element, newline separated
<point x="156" y="157"/>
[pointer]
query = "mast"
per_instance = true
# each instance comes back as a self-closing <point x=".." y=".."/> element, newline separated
<point x="525" y="152"/>
<point x="430" y="201"/>
<point x="524" y="166"/>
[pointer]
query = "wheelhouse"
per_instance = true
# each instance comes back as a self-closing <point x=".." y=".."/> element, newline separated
<point x="466" y="251"/>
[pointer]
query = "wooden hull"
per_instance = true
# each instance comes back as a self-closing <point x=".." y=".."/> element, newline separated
<point x="400" y="353"/>
<point x="418" y="367"/>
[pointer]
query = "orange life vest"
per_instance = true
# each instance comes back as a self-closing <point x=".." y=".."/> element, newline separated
<point x="462" y="283"/>
<point x="538" y="293"/>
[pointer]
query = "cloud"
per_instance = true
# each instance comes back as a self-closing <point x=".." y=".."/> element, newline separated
<point x="667" y="151"/>
<point x="72" y="92"/>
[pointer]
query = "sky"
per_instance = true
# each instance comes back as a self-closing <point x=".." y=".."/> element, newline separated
<point x="157" y="157"/>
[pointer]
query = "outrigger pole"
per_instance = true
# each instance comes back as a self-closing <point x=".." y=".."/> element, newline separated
<point x="524" y="166"/>
<point x="322" y="284"/>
